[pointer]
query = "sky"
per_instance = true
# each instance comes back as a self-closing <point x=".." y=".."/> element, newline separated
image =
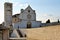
<point x="45" y="9"/>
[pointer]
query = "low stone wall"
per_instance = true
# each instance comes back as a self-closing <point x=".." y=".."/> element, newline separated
<point x="17" y="38"/>
<point x="49" y="24"/>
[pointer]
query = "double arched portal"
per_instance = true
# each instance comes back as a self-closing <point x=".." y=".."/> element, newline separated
<point x="28" y="24"/>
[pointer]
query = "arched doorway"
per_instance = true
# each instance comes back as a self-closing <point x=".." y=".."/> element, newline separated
<point x="28" y="24"/>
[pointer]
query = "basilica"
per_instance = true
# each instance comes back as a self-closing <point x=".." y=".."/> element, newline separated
<point x="25" y="19"/>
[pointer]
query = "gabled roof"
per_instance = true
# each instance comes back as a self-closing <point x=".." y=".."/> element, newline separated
<point x="15" y="15"/>
<point x="28" y="7"/>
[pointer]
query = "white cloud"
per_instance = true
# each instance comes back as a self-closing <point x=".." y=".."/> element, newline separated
<point x="18" y="6"/>
<point x="44" y="17"/>
<point x="1" y="11"/>
<point x="23" y="5"/>
<point x="15" y="4"/>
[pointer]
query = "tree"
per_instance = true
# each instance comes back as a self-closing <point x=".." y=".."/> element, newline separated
<point x="58" y="20"/>
<point x="48" y="21"/>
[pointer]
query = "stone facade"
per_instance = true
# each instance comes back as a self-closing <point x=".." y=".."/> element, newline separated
<point x="28" y="14"/>
<point x="26" y="19"/>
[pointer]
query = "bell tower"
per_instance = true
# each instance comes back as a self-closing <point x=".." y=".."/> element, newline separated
<point x="8" y="13"/>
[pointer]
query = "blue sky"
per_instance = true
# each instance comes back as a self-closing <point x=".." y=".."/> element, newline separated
<point x="45" y="9"/>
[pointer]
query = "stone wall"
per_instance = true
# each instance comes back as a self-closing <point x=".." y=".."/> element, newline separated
<point x="49" y="24"/>
<point x="5" y="34"/>
<point x="23" y="24"/>
<point x="17" y="39"/>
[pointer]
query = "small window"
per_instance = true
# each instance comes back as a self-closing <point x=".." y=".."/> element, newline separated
<point x="8" y="10"/>
<point x="28" y="10"/>
<point x="15" y="19"/>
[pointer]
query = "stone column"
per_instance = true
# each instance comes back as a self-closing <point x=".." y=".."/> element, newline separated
<point x="5" y="34"/>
